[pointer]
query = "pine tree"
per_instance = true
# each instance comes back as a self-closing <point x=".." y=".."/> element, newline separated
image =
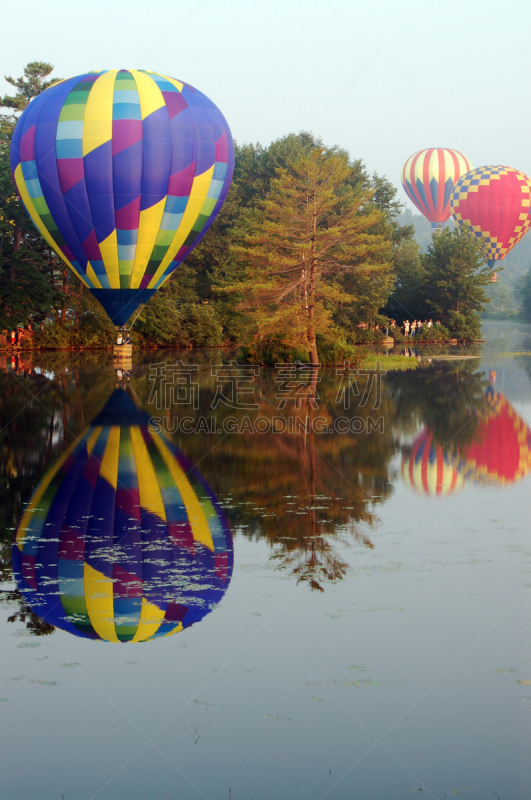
<point x="301" y="244"/>
<point x="29" y="85"/>
<point x="456" y="277"/>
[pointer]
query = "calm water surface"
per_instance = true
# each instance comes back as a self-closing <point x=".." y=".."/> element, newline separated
<point x="323" y="596"/>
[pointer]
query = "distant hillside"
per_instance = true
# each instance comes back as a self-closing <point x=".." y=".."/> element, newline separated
<point x="517" y="262"/>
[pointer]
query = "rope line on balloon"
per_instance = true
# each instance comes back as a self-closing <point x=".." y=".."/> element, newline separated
<point x="326" y="688"/>
<point x="400" y="32"/>
<point x="129" y="720"/>
<point x="172" y="31"/>
<point x="426" y="692"/>
<point x="492" y="625"/>
<point x="209" y="680"/>
<point x="399" y="74"/>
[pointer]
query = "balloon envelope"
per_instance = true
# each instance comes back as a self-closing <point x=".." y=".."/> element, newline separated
<point x="122" y="540"/>
<point x="501" y="451"/>
<point x="428" y="177"/>
<point x="495" y="202"/>
<point x="428" y="470"/>
<point x="122" y="172"/>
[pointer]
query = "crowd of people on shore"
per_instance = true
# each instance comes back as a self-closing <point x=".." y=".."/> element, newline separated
<point x="407" y="328"/>
<point x="415" y="327"/>
<point x="16" y="336"/>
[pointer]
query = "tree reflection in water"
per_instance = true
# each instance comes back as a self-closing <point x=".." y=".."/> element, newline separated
<point x="307" y="494"/>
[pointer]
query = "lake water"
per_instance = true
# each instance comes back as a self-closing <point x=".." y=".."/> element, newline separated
<point x="242" y="584"/>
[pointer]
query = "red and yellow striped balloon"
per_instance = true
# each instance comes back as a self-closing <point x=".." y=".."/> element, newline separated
<point x="430" y="471"/>
<point x="428" y="178"/>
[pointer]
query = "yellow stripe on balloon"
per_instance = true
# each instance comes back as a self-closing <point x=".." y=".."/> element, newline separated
<point x="177" y="629"/>
<point x="150" y="96"/>
<point x="194" y="510"/>
<point x="109" y="462"/>
<point x="148" y="229"/>
<point x="32" y="211"/>
<point x="109" y="255"/>
<point x="91" y="275"/>
<point x="148" y="485"/>
<point x="99" y="600"/>
<point x="97" y="120"/>
<point x="93" y="438"/>
<point x="198" y="195"/>
<point x="36" y="498"/>
<point x="150" y="618"/>
<point x="178" y="85"/>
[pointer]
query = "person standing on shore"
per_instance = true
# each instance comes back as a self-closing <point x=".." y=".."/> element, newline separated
<point x="414" y="327"/>
<point x="406" y="328"/>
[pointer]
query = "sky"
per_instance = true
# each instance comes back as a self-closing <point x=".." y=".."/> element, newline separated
<point x="381" y="79"/>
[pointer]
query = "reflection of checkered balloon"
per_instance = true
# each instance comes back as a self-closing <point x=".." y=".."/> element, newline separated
<point x="122" y="172"/>
<point x="495" y="203"/>
<point x="501" y="451"/>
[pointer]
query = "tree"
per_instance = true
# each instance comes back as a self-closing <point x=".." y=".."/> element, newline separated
<point x="301" y="243"/>
<point x="456" y="277"/>
<point x="29" y="85"/>
<point x="407" y="299"/>
<point x="522" y="295"/>
<point x="28" y="268"/>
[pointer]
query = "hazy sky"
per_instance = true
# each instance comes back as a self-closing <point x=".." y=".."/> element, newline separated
<point x="381" y="79"/>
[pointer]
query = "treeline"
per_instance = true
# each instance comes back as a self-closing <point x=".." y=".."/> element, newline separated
<point x="307" y="256"/>
<point x="352" y="477"/>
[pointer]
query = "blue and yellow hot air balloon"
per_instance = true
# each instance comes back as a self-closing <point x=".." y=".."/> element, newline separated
<point x="122" y="172"/>
<point x="123" y="540"/>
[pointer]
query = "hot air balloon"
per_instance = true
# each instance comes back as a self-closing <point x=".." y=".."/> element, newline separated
<point x="428" y="178"/>
<point x="123" y="540"/>
<point x="122" y="172"/>
<point x="501" y="451"/>
<point x="430" y="471"/>
<point x="495" y="202"/>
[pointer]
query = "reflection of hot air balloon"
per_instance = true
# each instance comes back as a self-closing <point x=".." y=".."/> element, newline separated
<point x="501" y="450"/>
<point x="122" y="540"/>
<point x="428" y="177"/>
<point x="495" y="202"/>
<point x="428" y="470"/>
<point x="122" y="172"/>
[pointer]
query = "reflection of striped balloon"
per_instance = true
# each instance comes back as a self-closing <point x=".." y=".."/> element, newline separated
<point x="122" y="540"/>
<point x="428" y="470"/>
<point x="428" y="178"/>
<point x="501" y="451"/>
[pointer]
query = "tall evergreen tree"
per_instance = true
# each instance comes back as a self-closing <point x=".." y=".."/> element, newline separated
<point x="31" y="277"/>
<point x="455" y="281"/>
<point x="302" y="241"/>
<point x="28" y="85"/>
